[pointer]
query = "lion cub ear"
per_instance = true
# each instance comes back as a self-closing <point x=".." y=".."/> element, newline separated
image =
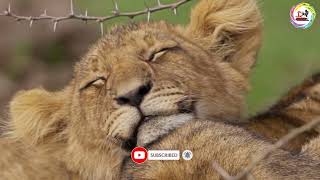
<point x="230" y="29"/>
<point x="37" y="116"/>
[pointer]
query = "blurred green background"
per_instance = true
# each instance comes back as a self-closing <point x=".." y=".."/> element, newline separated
<point x="288" y="54"/>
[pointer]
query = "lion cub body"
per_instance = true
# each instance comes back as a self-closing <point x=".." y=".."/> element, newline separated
<point x="227" y="145"/>
<point x="18" y="161"/>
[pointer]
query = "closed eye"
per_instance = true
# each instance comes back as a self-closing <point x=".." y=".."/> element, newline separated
<point x="98" y="82"/>
<point x="158" y="54"/>
<point x="159" y="50"/>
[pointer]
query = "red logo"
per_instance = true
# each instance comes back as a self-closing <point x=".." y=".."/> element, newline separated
<point x="139" y="155"/>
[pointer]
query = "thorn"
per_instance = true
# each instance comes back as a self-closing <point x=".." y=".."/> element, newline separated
<point x="31" y="23"/>
<point x="71" y="7"/>
<point x="116" y="7"/>
<point x="175" y="11"/>
<point x="55" y="26"/>
<point x="86" y="15"/>
<point x="148" y="16"/>
<point x="44" y="13"/>
<point x="9" y="8"/>
<point x="148" y="10"/>
<point x="131" y="18"/>
<point x="101" y="28"/>
<point x="115" y="13"/>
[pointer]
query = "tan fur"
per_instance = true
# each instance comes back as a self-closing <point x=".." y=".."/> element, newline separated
<point x="299" y="106"/>
<point x="229" y="146"/>
<point x="18" y="161"/>
<point x="37" y="116"/>
<point x="198" y="72"/>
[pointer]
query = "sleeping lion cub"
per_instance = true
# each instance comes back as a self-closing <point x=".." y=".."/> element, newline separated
<point x="155" y="85"/>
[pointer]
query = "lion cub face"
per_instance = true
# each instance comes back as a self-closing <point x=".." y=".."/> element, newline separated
<point x="142" y="71"/>
<point x="127" y="77"/>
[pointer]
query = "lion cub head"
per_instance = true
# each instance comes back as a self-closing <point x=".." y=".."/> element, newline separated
<point x="145" y="71"/>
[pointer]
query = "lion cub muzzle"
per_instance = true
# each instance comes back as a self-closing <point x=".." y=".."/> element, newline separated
<point x="135" y="95"/>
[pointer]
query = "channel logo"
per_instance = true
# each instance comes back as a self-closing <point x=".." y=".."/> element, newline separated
<point x="302" y="15"/>
<point x="139" y="155"/>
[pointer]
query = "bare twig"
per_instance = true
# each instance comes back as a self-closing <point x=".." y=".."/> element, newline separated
<point x="221" y="171"/>
<point x="100" y="19"/>
<point x="101" y="28"/>
<point x="71" y="8"/>
<point x="284" y="140"/>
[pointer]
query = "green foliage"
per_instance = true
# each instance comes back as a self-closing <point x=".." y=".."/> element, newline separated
<point x="21" y="59"/>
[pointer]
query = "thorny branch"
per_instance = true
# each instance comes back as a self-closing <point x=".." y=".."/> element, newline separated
<point x="284" y="140"/>
<point x="99" y="19"/>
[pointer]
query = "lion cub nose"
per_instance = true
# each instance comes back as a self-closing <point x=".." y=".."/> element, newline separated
<point x="135" y="96"/>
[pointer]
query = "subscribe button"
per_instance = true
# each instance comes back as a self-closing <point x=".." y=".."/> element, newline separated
<point x="140" y="155"/>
